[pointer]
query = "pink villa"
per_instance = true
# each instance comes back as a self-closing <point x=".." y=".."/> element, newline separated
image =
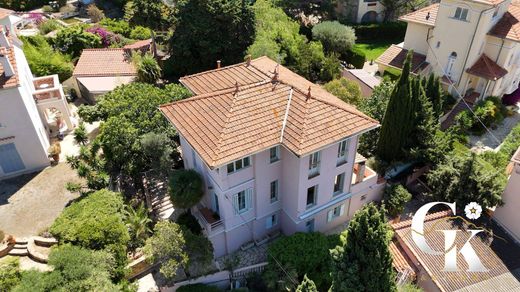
<point x="277" y="154"/>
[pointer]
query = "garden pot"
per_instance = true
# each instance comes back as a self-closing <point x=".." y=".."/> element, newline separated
<point x="56" y="157"/>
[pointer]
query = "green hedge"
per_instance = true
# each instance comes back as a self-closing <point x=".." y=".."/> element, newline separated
<point x="356" y="58"/>
<point x="380" y="31"/>
<point x="501" y="158"/>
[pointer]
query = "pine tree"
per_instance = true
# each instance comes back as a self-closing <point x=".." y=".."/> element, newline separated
<point x="364" y="262"/>
<point x="397" y="122"/>
<point x="307" y="285"/>
<point x="434" y="94"/>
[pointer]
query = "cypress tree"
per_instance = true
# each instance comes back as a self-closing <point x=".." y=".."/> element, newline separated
<point x="397" y="122"/>
<point x="307" y="285"/>
<point x="363" y="262"/>
<point x="434" y="94"/>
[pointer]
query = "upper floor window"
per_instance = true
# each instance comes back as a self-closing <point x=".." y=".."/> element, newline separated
<point x="461" y="13"/>
<point x="314" y="164"/>
<point x="239" y="164"/>
<point x="339" y="181"/>
<point x="242" y="201"/>
<point x="274" y="191"/>
<point x="312" y="196"/>
<point x="342" y="152"/>
<point x="274" y="154"/>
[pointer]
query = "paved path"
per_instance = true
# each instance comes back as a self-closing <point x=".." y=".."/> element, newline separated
<point x="30" y="203"/>
<point x="500" y="133"/>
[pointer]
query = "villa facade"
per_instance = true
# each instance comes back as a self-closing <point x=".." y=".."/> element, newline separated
<point x="474" y="45"/>
<point x="277" y="153"/>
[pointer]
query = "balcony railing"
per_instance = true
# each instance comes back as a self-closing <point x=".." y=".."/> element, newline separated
<point x="207" y="219"/>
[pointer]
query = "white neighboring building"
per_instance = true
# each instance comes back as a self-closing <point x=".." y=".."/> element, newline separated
<point x="361" y="11"/>
<point x="31" y="109"/>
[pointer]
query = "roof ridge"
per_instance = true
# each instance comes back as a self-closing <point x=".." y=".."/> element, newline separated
<point x="222" y="68"/>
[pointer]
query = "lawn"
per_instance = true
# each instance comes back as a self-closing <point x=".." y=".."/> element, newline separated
<point x="373" y="50"/>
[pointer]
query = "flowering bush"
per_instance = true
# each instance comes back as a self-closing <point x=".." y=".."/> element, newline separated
<point x="511" y="99"/>
<point x="107" y="38"/>
<point x="36" y="18"/>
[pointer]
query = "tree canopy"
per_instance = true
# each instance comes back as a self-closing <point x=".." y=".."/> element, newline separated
<point x="186" y="188"/>
<point x="363" y="261"/>
<point x="74" y="39"/>
<point x="346" y="90"/>
<point x="44" y="60"/>
<point x="334" y="36"/>
<point x="307" y="285"/>
<point x="395" y="197"/>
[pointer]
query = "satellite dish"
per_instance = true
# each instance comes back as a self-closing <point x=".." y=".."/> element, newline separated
<point x="169" y="2"/>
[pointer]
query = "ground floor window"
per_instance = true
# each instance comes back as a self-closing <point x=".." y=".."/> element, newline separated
<point x="309" y="225"/>
<point x="335" y="213"/>
<point x="271" y="221"/>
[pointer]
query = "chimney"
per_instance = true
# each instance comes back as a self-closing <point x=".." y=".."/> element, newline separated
<point x="218" y="64"/>
<point x="4" y="41"/>
<point x="428" y="16"/>
<point x="6" y="64"/>
<point x="275" y="74"/>
<point x="309" y="93"/>
<point x="248" y="60"/>
<point x="236" y="88"/>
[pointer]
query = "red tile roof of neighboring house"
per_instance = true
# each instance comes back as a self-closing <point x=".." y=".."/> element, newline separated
<point x="395" y="56"/>
<point x="11" y="81"/>
<point x="426" y="15"/>
<point x="105" y="62"/>
<point x="226" y="122"/>
<point x="487" y="68"/>
<point x="499" y="254"/>
<point x="144" y="44"/>
<point x="400" y="261"/>
<point x="508" y="27"/>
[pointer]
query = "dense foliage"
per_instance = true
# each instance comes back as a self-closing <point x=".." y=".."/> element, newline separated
<point x="300" y="254"/>
<point x="123" y="28"/>
<point x="395" y="197"/>
<point x="334" y="36"/>
<point x="363" y="261"/>
<point x="198" y="288"/>
<point x="356" y="58"/>
<point x="43" y="60"/>
<point x="433" y="91"/>
<point x="222" y="31"/>
<point x="374" y="32"/>
<point x="186" y="188"/>
<point x="138" y="223"/>
<point x="74" y="39"/>
<point x="73" y="269"/>
<point x="489" y="111"/>
<point x="9" y="273"/>
<point x="464" y="177"/>
<point x="150" y="13"/>
<point x="307" y="285"/>
<point x="148" y="69"/>
<point x="501" y="158"/>
<point x="346" y="90"/>
<point x="278" y="37"/>
<point x="167" y="246"/>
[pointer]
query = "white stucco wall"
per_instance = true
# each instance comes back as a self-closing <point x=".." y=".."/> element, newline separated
<point x="508" y="215"/>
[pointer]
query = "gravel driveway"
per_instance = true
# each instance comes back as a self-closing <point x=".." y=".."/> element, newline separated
<point x="30" y="203"/>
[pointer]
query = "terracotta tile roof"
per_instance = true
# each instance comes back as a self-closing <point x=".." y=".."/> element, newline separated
<point x="486" y="68"/>
<point x="508" y="27"/>
<point x="395" y="56"/>
<point x="5" y="12"/>
<point x="144" y="44"/>
<point x="501" y="256"/>
<point x="234" y="122"/>
<point x="426" y="15"/>
<point x="105" y="62"/>
<point x="11" y="81"/>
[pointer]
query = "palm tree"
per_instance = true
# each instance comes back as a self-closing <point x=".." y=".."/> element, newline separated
<point x="80" y="134"/>
<point x="137" y="222"/>
<point x="186" y="188"/>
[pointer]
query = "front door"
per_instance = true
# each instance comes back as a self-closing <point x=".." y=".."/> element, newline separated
<point x="10" y="160"/>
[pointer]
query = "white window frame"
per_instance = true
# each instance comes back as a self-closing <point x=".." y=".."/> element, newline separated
<point x="247" y="196"/>
<point x="277" y="154"/>
<point x="314" y="164"/>
<point x="240" y="162"/>
<point x="315" y="198"/>
<point x="341" y="184"/>
<point x="271" y="221"/>
<point x="343" y="147"/>
<point x="276" y="191"/>
<point x="335" y="213"/>
<point x="461" y="14"/>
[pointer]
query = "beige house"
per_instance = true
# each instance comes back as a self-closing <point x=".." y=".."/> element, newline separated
<point x="361" y="11"/>
<point x="508" y="216"/>
<point x="473" y="44"/>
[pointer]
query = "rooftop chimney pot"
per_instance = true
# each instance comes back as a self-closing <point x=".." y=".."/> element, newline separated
<point x="218" y="64"/>
<point x="309" y="93"/>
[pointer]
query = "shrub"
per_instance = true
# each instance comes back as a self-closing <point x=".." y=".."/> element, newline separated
<point x="140" y="33"/>
<point x="334" y="36"/>
<point x="43" y="60"/>
<point x="501" y="158"/>
<point x="185" y="188"/>
<point x="489" y="111"/>
<point x="346" y="90"/>
<point x="107" y="38"/>
<point x="198" y="288"/>
<point x="380" y="31"/>
<point x="48" y="26"/>
<point x="148" y="70"/>
<point x="190" y="222"/>
<point x="395" y="197"/>
<point x="356" y="58"/>
<point x="9" y="273"/>
<point x="73" y="39"/>
<point x="301" y="254"/>
<point x="116" y="26"/>
<point x="94" y="13"/>
<point x="80" y="134"/>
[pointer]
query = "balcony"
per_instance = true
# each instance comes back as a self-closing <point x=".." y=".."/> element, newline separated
<point x="208" y="219"/>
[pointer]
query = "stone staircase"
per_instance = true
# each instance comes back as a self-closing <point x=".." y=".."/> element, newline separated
<point x="20" y="248"/>
<point x="156" y="189"/>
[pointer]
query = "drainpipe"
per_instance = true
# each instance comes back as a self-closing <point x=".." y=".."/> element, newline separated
<point x="500" y="51"/>
<point x="471" y="43"/>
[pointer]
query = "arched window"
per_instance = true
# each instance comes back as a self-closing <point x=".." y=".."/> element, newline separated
<point x="451" y="61"/>
<point x="370" y="16"/>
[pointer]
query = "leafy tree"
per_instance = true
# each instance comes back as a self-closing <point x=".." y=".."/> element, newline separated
<point x="300" y="254"/>
<point x="334" y="36"/>
<point x="363" y="261"/>
<point x="157" y="150"/>
<point x="463" y="178"/>
<point x="73" y="269"/>
<point x="433" y="91"/>
<point x="94" y="13"/>
<point x="43" y="60"/>
<point x="375" y="107"/>
<point x="116" y="26"/>
<point x="167" y="246"/>
<point x="324" y="9"/>
<point x="140" y="33"/>
<point x="149" y="13"/>
<point x="186" y="188"/>
<point x="137" y="222"/>
<point x="223" y="31"/>
<point x="49" y="25"/>
<point x="148" y="69"/>
<point x="80" y="134"/>
<point x="307" y="285"/>
<point x="90" y="165"/>
<point x="74" y="39"/>
<point x="394" y="8"/>
<point x="9" y="273"/>
<point x="395" y="197"/>
<point x="199" y="250"/>
<point x="398" y="119"/>
<point x="346" y="90"/>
